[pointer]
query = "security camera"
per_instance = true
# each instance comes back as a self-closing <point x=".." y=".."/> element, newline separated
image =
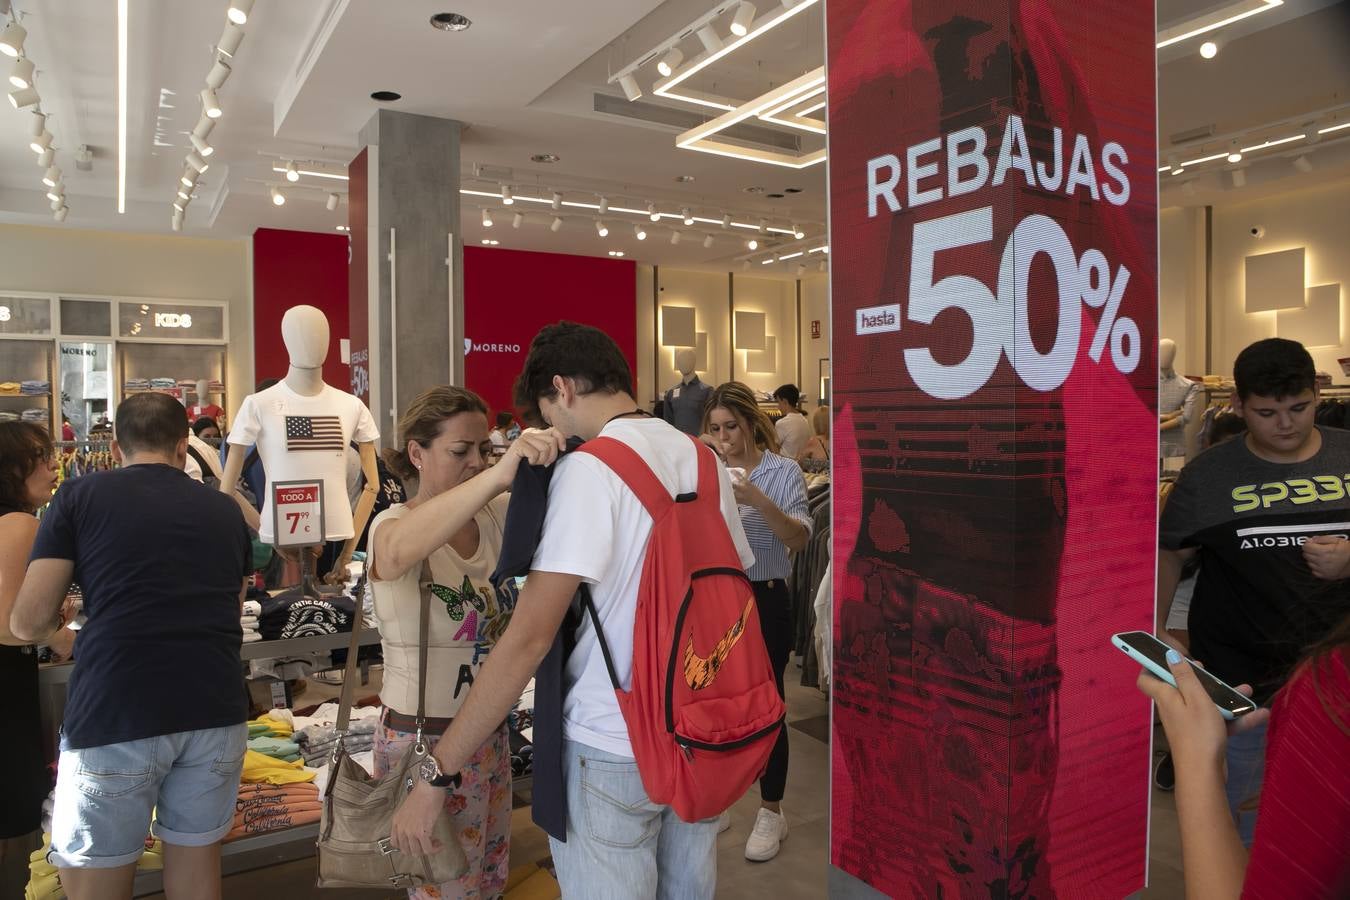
<point x="1258" y="231"/>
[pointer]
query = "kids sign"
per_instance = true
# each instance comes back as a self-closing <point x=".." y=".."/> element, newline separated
<point x="297" y="509"/>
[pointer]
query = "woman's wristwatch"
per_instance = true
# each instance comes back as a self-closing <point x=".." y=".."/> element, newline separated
<point x="430" y="771"/>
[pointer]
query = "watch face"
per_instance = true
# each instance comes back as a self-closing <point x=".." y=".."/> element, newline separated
<point x="428" y="769"/>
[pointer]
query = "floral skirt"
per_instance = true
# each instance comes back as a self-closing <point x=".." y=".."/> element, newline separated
<point x="480" y="808"/>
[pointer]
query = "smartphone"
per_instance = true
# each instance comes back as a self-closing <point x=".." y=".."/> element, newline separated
<point x="1151" y="653"/>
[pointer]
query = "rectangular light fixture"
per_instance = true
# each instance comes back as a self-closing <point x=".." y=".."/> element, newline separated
<point x="1333" y="128"/>
<point x="700" y="137"/>
<point x="1205" y="159"/>
<point x="121" y="106"/>
<point x="1265" y="6"/>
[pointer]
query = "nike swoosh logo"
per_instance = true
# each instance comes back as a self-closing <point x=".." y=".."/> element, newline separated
<point x="702" y="671"/>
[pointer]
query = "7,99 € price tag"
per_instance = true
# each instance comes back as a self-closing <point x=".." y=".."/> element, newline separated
<point x="297" y="513"/>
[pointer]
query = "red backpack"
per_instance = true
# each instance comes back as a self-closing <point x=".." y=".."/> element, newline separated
<point x="703" y="710"/>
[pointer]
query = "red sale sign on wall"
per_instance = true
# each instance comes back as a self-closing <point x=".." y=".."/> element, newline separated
<point x="993" y="240"/>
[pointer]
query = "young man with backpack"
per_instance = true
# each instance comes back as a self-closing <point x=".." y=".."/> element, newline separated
<point x="631" y="713"/>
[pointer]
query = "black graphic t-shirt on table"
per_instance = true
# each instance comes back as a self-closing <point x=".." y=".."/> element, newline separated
<point x="161" y="560"/>
<point x="1256" y="605"/>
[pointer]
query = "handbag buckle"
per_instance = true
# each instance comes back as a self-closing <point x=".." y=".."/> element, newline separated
<point x="385" y="847"/>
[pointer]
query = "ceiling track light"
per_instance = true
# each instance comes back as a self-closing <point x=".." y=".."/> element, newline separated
<point x="24" y="98"/>
<point x="740" y="23"/>
<point x="52" y="177"/>
<point x="726" y="221"/>
<point x="556" y="224"/>
<point x="518" y="220"/>
<point x="21" y="76"/>
<point x="639" y="232"/>
<point x="601" y="229"/>
<point x="604" y="206"/>
<point x="180" y="204"/>
<point x="1239" y="177"/>
<point x="507" y="199"/>
<point x="239" y="10"/>
<point x="557" y="202"/>
<point x="183" y="194"/>
<point x="763" y="226"/>
<point x="204" y="127"/>
<point x="210" y="105"/>
<point x="230" y="39"/>
<point x="200" y="165"/>
<point x="1303" y="164"/>
<point x="711" y="40"/>
<point x="332" y="202"/>
<point x="215" y="78"/>
<point x="188" y="178"/>
<point x="1235" y="157"/>
<point x="630" y="88"/>
<point x="176" y="223"/>
<point x="487" y="218"/>
<point x="707" y="241"/>
<point x="57" y="203"/>
<point x="752" y="244"/>
<point x="797" y="232"/>
<point x="1209" y="49"/>
<point x="674" y="237"/>
<point x="41" y="142"/>
<point x="201" y="146"/>
<point x="12" y="38"/>
<point x="652" y="213"/>
<point x="60" y="214"/>
<point x="688" y="216"/>
<point x="45" y="160"/>
<point x="670" y="62"/>
<point x="292" y="173"/>
<point x="278" y="198"/>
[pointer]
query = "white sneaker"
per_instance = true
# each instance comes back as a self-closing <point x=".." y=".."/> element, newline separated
<point x="724" y="821"/>
<point x="770" y="830"/>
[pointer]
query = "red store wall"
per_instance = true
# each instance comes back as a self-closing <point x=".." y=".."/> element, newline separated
<point x="510" y="294"/>
<point x="291" y="268"/>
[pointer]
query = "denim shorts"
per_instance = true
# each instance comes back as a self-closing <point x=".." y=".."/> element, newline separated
<point x="105" y="795"/>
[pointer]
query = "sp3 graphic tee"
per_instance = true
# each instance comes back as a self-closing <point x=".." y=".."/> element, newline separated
<point x="1257" y="606"/>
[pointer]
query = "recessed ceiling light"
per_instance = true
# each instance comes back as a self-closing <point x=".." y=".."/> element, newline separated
<point x="754" y="190"/>
<point x="450" y="22"/>
<point x="1209" y="49"/>
<point x="386" y="96"/>
<point x="684" y="179"/>
<point x="775" y="196"/>
<point x="792" y="190"/>
<point x="545" y="158"/>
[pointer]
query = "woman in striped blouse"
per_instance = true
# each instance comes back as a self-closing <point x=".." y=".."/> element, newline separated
<point x="771" y="494"/>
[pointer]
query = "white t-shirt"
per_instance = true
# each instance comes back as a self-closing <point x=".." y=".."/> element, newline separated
<point x="208" y="453"/>
<point x="598" y="529"/>
<point x="467" y="617"/>
<point x="305" y="437"/>
<point x="793" y="433"/>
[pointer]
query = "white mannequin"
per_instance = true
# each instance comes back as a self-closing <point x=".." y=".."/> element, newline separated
<point x="198" y="409"/>
<point x="304" y="330"/>
<point x="1176" y="401"/>
<point x="683" y="403"/>
<point x="684" y="361"/>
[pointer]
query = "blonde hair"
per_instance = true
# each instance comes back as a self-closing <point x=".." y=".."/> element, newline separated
<point x="422" y="422"/>
<point x="820" y="421"/>
<point x="737" y="399"/>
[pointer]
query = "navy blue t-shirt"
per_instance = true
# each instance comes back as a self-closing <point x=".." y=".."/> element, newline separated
<point x="161" y="560"/>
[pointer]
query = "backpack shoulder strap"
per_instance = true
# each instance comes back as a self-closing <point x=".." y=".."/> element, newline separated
<point x="708" y="486"/>
<point x="632" y="470"/>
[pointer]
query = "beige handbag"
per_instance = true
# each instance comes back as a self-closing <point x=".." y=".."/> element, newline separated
<point x="358" y="810"/>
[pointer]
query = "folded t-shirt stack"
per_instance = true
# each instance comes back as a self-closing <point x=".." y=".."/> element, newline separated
<point x="317" y="741"/>
<point x="249" y="624"/>
<point x="35" y="415"/>
<point x="136" y="384"/>
<point x="9" y="389"/>
<point x="35" y="386"/>
<point x="261" y="808"/>
<point x="163" y="384"/>
<point x="7" y="416"/>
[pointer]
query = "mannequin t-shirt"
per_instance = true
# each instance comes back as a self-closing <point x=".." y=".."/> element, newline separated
<point x="302" y="438"/>
<point x="210" y="411"/>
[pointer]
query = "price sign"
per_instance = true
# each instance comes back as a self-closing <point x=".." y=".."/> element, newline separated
<point x="297" y="513"/>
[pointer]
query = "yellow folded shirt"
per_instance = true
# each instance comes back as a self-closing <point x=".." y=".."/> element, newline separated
<point x="48" y="887"/>
<point x="262" y="769"/>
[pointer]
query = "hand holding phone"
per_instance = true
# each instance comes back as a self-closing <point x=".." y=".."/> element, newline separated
<point x="1151" y="653"/>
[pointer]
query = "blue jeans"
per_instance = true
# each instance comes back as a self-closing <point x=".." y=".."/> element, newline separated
<point x="105" y="795"/>
<point x="622" y="846"/>
<point x="1246" y="755"/>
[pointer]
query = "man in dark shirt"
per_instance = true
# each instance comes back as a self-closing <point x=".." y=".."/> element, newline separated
<point x="1269" y="516"/>
<point x="162" y="561"/>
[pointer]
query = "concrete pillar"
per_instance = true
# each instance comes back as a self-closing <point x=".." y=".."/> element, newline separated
<point x="415" y="287"/>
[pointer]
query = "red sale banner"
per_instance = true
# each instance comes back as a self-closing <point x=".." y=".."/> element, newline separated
<point x="993" y="218"/>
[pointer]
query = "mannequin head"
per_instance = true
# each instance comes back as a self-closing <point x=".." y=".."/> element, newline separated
<point x="684" y="361"/>
<point x="304" y="330"/>
<point x="1167" y="354"/>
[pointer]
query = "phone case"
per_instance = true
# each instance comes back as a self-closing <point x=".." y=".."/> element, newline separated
<point x="1160" y="671"/>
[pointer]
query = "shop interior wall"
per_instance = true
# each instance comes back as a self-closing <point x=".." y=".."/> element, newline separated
<point x="814" y="348"/>
<point x="291" y="268"/>
<point x="116" y="264"/>
<point x="1181" y="285"/>
<point x="777" y="300"/>
<point x="707" y="293"/>
<point x="1317" y="219"/>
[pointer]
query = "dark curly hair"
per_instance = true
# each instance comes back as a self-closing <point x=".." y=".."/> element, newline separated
<point x="22" y="446"/>
<point x="585" y="354"/>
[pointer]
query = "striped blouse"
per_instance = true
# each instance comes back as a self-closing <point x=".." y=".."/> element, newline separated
<point x="782" y="481"/>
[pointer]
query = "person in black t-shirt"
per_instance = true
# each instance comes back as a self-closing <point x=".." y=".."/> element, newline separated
<point x="1269" y="516"/>
<point x="163" y="563"/>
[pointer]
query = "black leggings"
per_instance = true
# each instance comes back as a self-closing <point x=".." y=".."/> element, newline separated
<point x="775" y="619"/>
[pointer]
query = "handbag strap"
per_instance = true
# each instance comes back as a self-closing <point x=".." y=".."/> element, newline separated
<point x="349" y="672"/>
